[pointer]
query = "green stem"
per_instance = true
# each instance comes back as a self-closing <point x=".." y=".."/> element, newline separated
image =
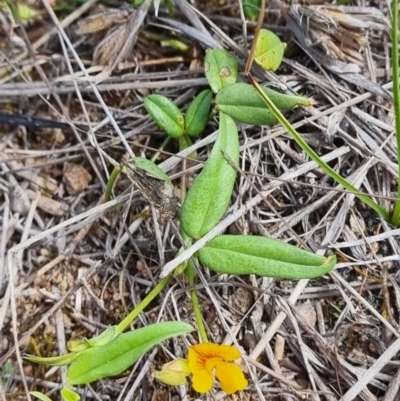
<point x="111" y="182"/>
<point x="150" y="296"/>
<point x="328" y="170"/>
<point x="396" y="99"/>
<point x="191" y="274"/>
<point x="162" y="147"/>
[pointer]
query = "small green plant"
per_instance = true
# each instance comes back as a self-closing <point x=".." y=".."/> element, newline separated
<point x="207" y="200"/>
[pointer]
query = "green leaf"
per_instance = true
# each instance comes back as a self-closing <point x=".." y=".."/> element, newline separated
<point x="210" y="193"/>
<point x="116" y="356"/>
<point x="251" y="9"/>
<point x="149" y="167"/>
<point x="221" y="69"/>
<point x="243" y="103"/>
<point x="166" y="114"/>
<point x="40" y="395"/>
<point x="247" y="254"/>
<point x="269" y="50"/>
<point x="69" y="395"/>
<point x="196" y="117"/>
<point x="61" y="360"/>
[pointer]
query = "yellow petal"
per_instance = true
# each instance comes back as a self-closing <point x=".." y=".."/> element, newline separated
<point x="208" y="350"/>
<point x="202" y="380"/>
<point x="230" y="376"/>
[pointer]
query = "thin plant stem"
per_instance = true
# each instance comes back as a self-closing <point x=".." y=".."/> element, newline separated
<point x="161" y="148"/>
<point x="297" y="137"/>
<point x="396" y="99"/>
<point x="304" y="145"/>
<point x="111" y="181"/>
<point x="150" y="296"/>
<point x="191" y="274"/>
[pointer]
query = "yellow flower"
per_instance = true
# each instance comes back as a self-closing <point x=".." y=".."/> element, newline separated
<point x="206" y="358"/>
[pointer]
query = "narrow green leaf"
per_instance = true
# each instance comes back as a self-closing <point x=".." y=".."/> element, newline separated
<point x="61" y="360"/>
<point x="40" y="395"/>
<point x="196" y="117"/>
<point x="247" y="254"/>
<point x="116" y="356"/>
<point x="221" y="69"/>
<point x="243" y="103"/>
<point x="210" y="193"/>
<point x="269" y="50"/>
<point x="166" y="114"/>
<point x="395" y="218"/>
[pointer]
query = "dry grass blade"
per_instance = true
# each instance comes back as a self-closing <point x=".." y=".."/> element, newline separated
<point x="338" y="43"/>
<point x="105" y="20"/>
<point x="118" y="43"/>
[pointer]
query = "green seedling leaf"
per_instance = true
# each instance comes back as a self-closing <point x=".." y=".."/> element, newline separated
<point x="269" y="50"/>
<point x="61" y="360"/>
<point x="105" y="337"/>
<point x="196" y="117"/>
<point x="166" y="114"/>
<point x="210" y="193"/>
<point x="69" y="395"/>
<point x="266" y="257"/>
<point x="150" y="168"/>
<point x="251" y="9"/>
<point x="40" y="395"/>
<point x="243" y="103"/>
<point x="116" y="356"/>
<point x="221" y="69"/>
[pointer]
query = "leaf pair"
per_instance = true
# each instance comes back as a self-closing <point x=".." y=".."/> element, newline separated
<point x="168" y="116"/>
